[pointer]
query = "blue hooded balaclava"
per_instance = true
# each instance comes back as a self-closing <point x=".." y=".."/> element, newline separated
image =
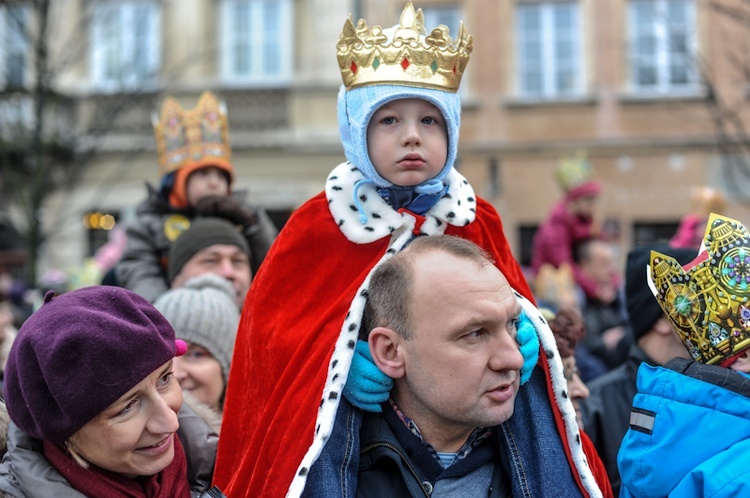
<point x="355" y="109"/>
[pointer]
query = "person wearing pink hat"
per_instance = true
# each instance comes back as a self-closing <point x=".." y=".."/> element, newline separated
<point x="570" y="222"/>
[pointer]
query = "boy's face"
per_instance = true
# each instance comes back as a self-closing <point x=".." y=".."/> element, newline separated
<point x="204" y="182"/>
<point x="407" y="141"/>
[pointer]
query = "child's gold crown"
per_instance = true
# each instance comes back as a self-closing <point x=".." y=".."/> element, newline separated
<point x="367" y="57"/>
<point x="708" y="304"/>
<point x="189" y="136"/>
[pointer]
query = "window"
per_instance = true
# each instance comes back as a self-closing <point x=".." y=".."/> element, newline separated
<point x="256" y="41"/>
<point x="662" y="46"/>
<point x="125" y="45"/>
<point x="549" y="50"/>
<point x="446" y="14"/>
<point x="14" y="46"/>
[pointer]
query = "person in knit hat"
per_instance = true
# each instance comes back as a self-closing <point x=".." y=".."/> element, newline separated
<point x="197" y="176"/>
<point x="204" y="314"/>
<point x="606" y="412"/>
<point x="689" y="431"/>
<point x="570" y="222"/>
<point x="298" y="363"/>
<point x="211" y="245"/>
<point x="94" y="405"/>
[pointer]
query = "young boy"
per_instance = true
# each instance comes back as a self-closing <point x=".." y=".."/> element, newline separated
<point x="197" y="175"/>
<point x="399" y="117"/>
<point x="695" y="414"/>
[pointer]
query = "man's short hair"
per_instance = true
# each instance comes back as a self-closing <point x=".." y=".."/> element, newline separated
<point x="392" y="282"/>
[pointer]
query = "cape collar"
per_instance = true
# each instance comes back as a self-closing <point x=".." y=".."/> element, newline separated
<point x="457" y="207"/>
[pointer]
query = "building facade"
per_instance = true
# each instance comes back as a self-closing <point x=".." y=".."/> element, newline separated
<point x="628" y="81"/>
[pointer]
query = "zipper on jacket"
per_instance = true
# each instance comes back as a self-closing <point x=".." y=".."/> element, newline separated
<point x="427" y="492"/>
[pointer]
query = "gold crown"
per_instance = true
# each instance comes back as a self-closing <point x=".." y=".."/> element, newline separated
<point x="367" y="57"/>
<point x="709" y="304"/>
<point x="189" y="136"/>
<point x="574" y="171"/>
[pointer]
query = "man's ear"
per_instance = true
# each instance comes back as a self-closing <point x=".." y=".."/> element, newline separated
<point x="387" y="351"/>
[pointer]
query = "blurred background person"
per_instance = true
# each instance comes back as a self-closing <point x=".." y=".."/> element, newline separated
<point x="570" y="221"/>
<point x="567" y="327"/>
<point x="607" y="339"/>
<point x="195" y="164"/>
<point x="606" y="412"/>
<point x="211" y="245"/>
<point x="704" y="201"/>
<point x="205" y="315"/>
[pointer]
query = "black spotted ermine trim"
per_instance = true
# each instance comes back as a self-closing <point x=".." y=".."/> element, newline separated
<point x="457" y="208"/>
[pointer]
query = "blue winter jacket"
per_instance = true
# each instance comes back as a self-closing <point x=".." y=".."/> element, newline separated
<point x="689" y="433"/>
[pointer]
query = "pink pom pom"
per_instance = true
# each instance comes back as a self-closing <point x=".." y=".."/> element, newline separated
<point x="180" y="347"/>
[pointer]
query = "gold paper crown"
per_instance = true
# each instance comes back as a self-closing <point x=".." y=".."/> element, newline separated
<point x="574" y="171"/>
<point x="709" y="304"/>
<point x="189" y="136"/>
<point x="367" y="57"/>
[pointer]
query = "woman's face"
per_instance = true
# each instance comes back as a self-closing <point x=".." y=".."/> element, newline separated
<point x="134" y="436"/>
<point x="199" y="373"/>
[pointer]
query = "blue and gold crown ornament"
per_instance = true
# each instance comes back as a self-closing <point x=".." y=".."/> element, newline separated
<point x="404" y="55"/>
<point x="709" y="302"/>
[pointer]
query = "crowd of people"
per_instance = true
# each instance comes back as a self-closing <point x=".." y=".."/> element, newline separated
<point x="386" y="342"/>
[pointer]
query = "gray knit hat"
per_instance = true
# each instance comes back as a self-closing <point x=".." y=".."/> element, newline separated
<point x="204" y="312"/>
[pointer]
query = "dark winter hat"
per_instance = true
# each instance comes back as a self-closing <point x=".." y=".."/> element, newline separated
<point x="643" y="309"/>
<point x="78" y="354"/>
<point x="204" y="312"/>
<point x="203" y="232"/>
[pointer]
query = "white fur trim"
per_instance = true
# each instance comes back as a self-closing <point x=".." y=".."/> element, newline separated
<point x="457" y="208"/>
<point x="338" y="369"/>
<point x="560" y="385"/>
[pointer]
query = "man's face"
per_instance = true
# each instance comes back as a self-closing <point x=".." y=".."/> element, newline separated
<point x="462" y="362"/>
<point x="601" y="265"/>
<point x="226" y="260"/>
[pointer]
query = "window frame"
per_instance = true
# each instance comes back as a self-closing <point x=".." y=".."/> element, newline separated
<point x="549" y="61"/>
<point x="10" y="47"/>
<point x="256" y="76"/>
<point x="663" y="60"/>
<point x="126" y="44"/>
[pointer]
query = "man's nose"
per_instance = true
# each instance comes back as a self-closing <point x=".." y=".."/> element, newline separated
<point x="505" y="353"/>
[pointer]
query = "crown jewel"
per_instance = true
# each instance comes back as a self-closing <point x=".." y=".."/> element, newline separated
<point x="368" y="56"/>
<point x="709" y="303"/>
<point x="187" y="136"/>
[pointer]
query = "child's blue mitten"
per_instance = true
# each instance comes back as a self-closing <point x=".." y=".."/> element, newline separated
<point x="528" y="343"/>
<point x="367" y="387"/>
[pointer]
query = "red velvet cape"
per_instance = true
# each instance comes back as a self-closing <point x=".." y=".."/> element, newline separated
<point x="292" y="317"/>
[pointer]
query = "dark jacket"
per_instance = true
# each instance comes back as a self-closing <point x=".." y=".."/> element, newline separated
<point x="388" y="469"/>
<point x="606" y="412"/>
<point x="532" y="461"/>
<point x="598" y="318"/>
<point x="143" y="266"/>
<point x="26" y="473"/>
